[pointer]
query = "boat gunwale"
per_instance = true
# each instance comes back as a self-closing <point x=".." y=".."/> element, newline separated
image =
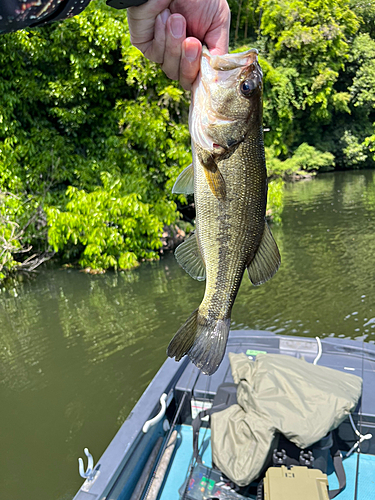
<point x="127" y="438"/>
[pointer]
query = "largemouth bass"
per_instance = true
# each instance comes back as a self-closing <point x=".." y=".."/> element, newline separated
<point x="229" y="179"/>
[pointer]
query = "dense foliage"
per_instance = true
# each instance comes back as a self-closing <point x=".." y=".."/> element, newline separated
<point x="318" y="60"/>
<point x="92" y="135"/>
<point x="95" y="134"/>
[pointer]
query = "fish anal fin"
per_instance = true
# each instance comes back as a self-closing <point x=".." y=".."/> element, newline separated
<point x="185" y="181"/>
<point x="266" y="260"/>
<point x="189" y="256"/>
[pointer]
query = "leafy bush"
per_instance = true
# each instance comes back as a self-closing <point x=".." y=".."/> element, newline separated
<point x="275" y="201"/>
<point x="305" y="158"/>
<point x="108" y="228"/>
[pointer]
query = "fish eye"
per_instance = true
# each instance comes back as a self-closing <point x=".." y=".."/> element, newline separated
<point x="247" y="87"/>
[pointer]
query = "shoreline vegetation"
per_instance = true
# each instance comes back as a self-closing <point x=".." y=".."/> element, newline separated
<point x="93" y="136"/>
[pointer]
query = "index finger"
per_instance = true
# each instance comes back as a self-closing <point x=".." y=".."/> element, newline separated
<point x="217" y="37"/>
<point x="142" y="20"/>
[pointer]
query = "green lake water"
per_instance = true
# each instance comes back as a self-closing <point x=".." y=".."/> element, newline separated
<point x="77" y="351"/>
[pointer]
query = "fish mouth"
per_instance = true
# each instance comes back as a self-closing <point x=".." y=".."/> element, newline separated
<point x="229" y="62"/>
<point x="221" y="69"/>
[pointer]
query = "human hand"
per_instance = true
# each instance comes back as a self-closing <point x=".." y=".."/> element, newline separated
<point x="159" y="28"/>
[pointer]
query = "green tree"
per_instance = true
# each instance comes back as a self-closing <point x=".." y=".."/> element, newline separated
<point x="349" y="135"/>
<point x="306" y="45"/>
<point x="80" y="106"/>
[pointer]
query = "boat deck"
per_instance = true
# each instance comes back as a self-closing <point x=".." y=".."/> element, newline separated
<point x="187" y="391"/>
<point x="183" y="455"/>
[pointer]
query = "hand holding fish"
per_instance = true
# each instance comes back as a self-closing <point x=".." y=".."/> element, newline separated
<point x="171" y="32"/>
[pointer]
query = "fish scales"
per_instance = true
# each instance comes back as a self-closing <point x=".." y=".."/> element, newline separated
<point x="230" y="189"/>
<point x="228" y="235"/>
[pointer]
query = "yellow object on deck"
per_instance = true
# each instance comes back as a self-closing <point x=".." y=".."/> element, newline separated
<point x="296" y="483"/>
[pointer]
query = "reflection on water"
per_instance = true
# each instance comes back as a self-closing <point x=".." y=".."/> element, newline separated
<point x="76" y="351"/>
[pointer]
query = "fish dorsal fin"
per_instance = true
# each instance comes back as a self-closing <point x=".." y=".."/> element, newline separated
<point x="189" y="256"/>
<point x="266" y="260"/>
<point x="185" y="181"/>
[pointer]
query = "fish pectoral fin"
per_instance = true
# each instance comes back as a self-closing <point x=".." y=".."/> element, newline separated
<point x="213" y="175"/>
<point x="185" y="181"/>
<point x="266" y="260"/>
<point x="189" y="256"/>
<point x="216" y="182"/>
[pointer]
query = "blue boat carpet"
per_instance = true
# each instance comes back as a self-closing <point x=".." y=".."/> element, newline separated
<point x="181" y="461"/>
<point x="366" y="478"/>
<point x="184" y="451"/>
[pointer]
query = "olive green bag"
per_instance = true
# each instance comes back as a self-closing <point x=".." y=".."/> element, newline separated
<point x="277" y="394"/>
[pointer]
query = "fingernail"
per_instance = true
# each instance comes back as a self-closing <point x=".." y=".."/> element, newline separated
<point x="164" y="15"/>
<point x="191" y="52"/>
<point x="177" y="26"/>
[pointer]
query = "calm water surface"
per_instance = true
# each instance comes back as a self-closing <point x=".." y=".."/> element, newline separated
<point x="77" y="351"/>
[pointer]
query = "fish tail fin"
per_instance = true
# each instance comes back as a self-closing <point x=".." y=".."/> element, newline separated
<point x="203" y="340"/>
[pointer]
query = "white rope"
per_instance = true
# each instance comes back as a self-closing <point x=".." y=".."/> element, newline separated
<point x="360" y="436"/>
<point x="319" y="355"/>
